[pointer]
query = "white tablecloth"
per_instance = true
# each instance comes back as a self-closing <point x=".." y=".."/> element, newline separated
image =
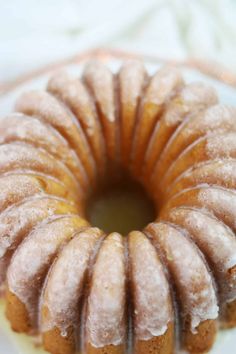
<point x="34" y="33"/>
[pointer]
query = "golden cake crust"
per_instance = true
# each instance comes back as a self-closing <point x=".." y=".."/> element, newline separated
<point x="157" y="290"/>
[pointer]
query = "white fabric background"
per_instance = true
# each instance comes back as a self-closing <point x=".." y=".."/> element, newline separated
<point x="36" y="32"/>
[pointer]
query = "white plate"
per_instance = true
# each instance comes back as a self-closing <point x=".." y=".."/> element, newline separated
<point x="18" y="344"/>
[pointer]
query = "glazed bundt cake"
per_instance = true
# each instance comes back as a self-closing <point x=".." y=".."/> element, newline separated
<point x="159" y="290"/>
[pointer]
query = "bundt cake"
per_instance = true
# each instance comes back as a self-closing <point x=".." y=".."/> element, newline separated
<point x="161" y="290"/>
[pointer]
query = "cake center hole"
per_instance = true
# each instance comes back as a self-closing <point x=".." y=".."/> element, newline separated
<point x="121" y="207"/>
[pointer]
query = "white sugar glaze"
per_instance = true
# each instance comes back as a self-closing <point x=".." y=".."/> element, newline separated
<point x="17" y="221"/>
<point x="189" y="273"/>
<point x="106" y="303"/>
<point x="222" y="202"/>
<point x="67" y="278"/>
<point x="101" y="80"/>
<point x="216" y="241"/>
<point x="152" y="303"/>
<point x="35" y="255"/>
